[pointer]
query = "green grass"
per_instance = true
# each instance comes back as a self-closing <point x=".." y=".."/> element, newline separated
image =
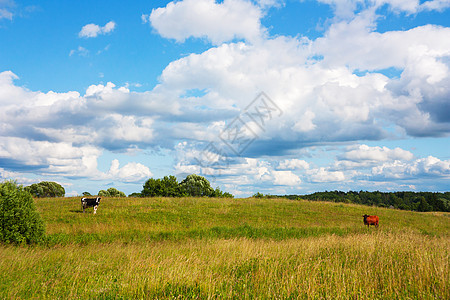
<point x="202" y="248"/>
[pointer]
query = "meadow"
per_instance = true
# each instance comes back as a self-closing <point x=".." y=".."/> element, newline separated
<point x="203" y="248"/>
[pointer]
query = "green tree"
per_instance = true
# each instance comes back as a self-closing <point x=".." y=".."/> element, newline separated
<point x="196" y="185"/>
<point x="219" y="194"/>
<point x="171" y="187"/>
<point x="111" y="192"/>
<point x="103" y="193"/>
<point x="258" y="195"/>
<point x="20" y="222"/>
<point x="46" y="189"/>
<point x="165" y="187"/>
<point x="152" y="188"/>
<point x="423" y="205"/>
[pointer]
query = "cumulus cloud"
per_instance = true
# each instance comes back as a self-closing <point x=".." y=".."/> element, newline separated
<point x="93" y="30"/>
<point x="376" y="154"/>
<point x="331" y="90"/>
<point x="323" y="174"/>
<point x="64" y="133"/>
<point x="217" y="22"/>
<point x="285" y="178"/>
<point x="423" y="167"/>
<point x="49" y="157"/>
<point x="293" y="164"/>
<point x="347" y="8"/>
<point x="131" y="172"/>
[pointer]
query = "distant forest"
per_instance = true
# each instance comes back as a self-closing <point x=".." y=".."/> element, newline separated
<point x="416" y="201"/>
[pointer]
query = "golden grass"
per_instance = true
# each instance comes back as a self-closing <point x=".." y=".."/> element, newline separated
<point x="362" y="266"/>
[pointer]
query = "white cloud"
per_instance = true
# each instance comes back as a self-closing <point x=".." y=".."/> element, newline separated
<point x="218" y="22"/>
<point x="293" y="164"/>
<point x="356" y="44"/>
<point x="312" y="81"/>
<point x="81" y="51"/>
<point x="438" y="5"/>
<point x="423" y="167"/>
<point x="145" y="18"/>
<point x="18" y="177"/>
<point x="93" y="30"/>
<point x="6" y="9"/>
<point x="50" y="157"/>
<point x="347" y="8"/>
<point x="131" y="172"/>
<point x="271" y="3"/>
<point x="5" y="14"/>
<point x="376" y="154"/>
<point x="285" y="178"/>
<point x="325" y="175"/>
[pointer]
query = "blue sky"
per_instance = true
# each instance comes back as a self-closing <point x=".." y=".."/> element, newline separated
<point x="272" y="96"/>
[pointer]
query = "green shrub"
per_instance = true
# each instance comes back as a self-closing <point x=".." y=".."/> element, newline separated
<point x="20" y="222"/>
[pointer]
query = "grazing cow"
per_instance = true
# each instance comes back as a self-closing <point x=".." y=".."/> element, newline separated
<point x="90" y="202"/>
<point x="370" y="220"/>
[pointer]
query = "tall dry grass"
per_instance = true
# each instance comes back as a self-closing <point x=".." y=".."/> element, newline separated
<point x="361" y="266"/>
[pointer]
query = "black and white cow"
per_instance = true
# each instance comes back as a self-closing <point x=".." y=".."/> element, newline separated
<point x="90" y="202"/>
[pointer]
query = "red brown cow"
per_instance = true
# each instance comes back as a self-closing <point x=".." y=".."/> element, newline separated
<point x="370" y="220"/>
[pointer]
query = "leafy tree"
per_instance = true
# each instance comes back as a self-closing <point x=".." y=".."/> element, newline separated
<point x="166" y="187"/>
<point x="152" y="188"/>
<point x="103" y="193"/>
<point x="86" y="194"/>
<point x="423" y="205"/>
<point x="171" y="187"/>
<point x="196" y="185"/>
<point x="192" y="185"/>
<point x="46" y="189"/>
<point x="20" y="222"/>
<point x="219" y="194"/>
<point x="111" y="192"/>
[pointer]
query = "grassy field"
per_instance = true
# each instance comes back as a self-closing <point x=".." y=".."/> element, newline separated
<point x="166" y="248"/>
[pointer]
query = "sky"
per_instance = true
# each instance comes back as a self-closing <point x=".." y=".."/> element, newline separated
<point x="270" y="96"/>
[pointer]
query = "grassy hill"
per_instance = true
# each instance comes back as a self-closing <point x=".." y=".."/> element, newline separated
<point x="229" y="248"/>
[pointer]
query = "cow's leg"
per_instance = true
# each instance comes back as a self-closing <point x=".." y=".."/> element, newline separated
<point x="95" y="209"/>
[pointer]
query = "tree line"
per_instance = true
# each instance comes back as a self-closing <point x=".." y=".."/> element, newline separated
<point x="198" y="186"/>
<point x="415" y="201"/>
<point x="192" y="186"/>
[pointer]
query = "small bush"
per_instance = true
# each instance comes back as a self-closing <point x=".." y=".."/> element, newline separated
<point x="20" y="222"/>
